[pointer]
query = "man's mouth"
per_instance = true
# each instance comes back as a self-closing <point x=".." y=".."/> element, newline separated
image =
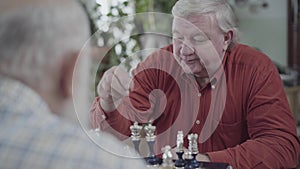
<point x="190" y="61"/>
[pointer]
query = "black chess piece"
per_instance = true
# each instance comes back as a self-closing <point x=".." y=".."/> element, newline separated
<point x="194" y="163"/>
<point x="150" y="139"/>
<point x="179" y="163"/>
<point x="151" y="159"/>
<point x="193" y="150"/>
<point x="188" y="161"/>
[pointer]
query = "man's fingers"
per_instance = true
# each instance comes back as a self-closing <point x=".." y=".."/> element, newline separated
<point x="115" y="84"/>
<point x="123" y="76"/>
<point x="121" y="81"/>
<point x="119" y="86"/>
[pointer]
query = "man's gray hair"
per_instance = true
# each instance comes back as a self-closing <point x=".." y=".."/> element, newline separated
<point x="225" y="16"/>
<point x="34" y="38"/>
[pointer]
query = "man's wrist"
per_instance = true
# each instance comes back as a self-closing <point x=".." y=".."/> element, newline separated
<point x="108" y="106"/>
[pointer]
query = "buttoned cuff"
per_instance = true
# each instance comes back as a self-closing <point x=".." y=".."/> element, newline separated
<point x="99" y="116"/>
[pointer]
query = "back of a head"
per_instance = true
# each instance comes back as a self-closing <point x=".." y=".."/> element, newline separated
<point x="223" y="12"/>
<point x="34" y="35"/>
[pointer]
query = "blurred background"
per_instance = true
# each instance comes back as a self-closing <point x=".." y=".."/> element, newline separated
<point x="271" y="26"/>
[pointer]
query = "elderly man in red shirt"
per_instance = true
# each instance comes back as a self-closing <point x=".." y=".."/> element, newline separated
<point x="207" y="83"/>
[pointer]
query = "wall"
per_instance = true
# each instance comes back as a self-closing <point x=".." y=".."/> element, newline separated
<point x="265" y="29"/>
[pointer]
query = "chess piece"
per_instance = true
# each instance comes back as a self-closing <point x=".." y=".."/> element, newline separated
<point x="167" y="158"/>
<point x="188" y="160"/>
<point x="150" y="139"/>
<point x="136" y="136"/>
<point x="179" y="163"/>
<point x="179" y="141"/>
<point x="193" y="149"/>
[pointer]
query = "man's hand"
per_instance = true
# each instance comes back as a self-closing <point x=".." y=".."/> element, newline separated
<point x="203" y="158"/>
<point x="199" y="157"/>
<point x="113" y="86"/>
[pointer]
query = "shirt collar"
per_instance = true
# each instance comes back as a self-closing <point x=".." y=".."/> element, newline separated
<point x="19" y="98"/>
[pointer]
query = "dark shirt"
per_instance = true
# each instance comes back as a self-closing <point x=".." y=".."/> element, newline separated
<point x="242" y="115"/>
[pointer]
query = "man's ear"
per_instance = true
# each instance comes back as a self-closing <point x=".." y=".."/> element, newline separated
<point x="227" y="39"/>
<point x="66" y="75"/>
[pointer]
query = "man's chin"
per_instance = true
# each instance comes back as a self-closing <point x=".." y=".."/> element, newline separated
<point x="201" y="74"/>
<point x="196" y="73"/>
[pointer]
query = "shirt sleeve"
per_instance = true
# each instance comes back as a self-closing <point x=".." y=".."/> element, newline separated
<point x="273" y="141"/>
<point x="141" y="104"/>
<point x="111" y="122"/>
<point x="138" y="106"/>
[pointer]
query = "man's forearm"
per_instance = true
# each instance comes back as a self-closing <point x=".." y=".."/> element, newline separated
<point x="112" y="122"/>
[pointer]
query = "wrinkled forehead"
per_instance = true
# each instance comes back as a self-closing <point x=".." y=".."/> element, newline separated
<point x="203" y="23"/>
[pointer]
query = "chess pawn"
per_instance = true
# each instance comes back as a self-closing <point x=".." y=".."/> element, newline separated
<point x="167" y="158"/>
<point x="150" y="139"/>
<point x="136" y="136"/>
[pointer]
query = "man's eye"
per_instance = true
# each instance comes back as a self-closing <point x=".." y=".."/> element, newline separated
<point x="177" y="37"/>
<point x="199" y="38"/>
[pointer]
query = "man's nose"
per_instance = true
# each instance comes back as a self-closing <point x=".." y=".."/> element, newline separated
<point x="186" y="50"/>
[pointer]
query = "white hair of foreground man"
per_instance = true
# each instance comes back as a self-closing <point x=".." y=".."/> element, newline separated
<point x="33" y="39"/>
<point x="225" y="16"/>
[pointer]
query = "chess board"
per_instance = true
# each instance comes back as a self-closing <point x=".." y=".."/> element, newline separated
<point x="184" y="160"/>
<point x="203" y="165"/>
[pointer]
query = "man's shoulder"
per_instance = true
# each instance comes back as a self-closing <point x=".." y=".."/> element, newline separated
<point x="163" y="54"/>
<point x="58" y="144"/>
<point x="28" y="129"/>
<point x="241" y="54"/>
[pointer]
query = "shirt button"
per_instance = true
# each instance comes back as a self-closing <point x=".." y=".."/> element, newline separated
<point x="213" y="86"/>
<point x="197" y="121"/>
<point x="103" y="116"/>
<point x="199" y="94"/>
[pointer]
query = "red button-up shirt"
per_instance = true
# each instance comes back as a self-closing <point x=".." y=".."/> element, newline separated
<point x="242" y="115"/>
